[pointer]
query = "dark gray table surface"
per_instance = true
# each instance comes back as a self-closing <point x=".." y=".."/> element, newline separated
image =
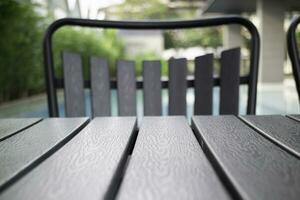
<point x="214" y="157"/>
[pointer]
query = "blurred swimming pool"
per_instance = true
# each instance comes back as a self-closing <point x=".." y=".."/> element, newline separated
<point x="272" y="99"/>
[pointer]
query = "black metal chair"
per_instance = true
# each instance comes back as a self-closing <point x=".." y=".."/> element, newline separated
<point x="126" y="82"/>
<point x="294" y="52"/>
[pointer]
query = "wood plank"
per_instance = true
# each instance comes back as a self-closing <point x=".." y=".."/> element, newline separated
<point x="167" y="163"/>
<point x="229" y="81"/>
<point x="100" y="87"/>
<point x="126" y="88"/>
<point x="12" y="126"/>
<point x="256" y="167"/>
<point x="28" y="148"/>
<point x="294" y="117"/>
<point x="152" y="88"/>
<point x="203" y="85"/>
<point x="73" y="85"/>
<point x="83" y="168"/>
<point x="283" y="131"/>
<point x="177" y="86"/>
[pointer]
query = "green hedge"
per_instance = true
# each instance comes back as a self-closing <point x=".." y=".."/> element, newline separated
<point x="298" y="38"/>
<point x="87" y="43"/>
<point x="148" y="56"/>
<point x="21" y="60"/>
<point x="20" y="50"/>
<point x="205" y="37"/>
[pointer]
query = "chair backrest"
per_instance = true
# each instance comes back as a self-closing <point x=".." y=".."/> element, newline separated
<point x="294" y="52"/>
<point x="126" y="82"/>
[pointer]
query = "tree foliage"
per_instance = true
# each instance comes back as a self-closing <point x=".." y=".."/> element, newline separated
<point x="159" y="10"/>
<point x="298" y="38"/>
<point x="87" y="43"/>
<point x="205" y="37"/>
<point x="21" y="58"/>
<point x="142" y="9"/>
<point x="20" y="45"/>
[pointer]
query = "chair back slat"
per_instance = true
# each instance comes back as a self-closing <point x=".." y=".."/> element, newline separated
<point x="73" y="82"/>
<point x="126" y="88"/>
<point x="100" y="87"/>
<point x="203" y="85"/>
<point x="152" y="88"/>
<point x="177" y="86"/>
<point x="229" y="81"/>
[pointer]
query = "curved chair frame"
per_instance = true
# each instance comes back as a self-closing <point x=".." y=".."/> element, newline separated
<point x="294" y="52"/>
<point x="53" y="83"/>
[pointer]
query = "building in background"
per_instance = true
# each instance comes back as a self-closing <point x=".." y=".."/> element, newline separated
<point x="59" y="8"/>
<point x="141" y="42"/>
<point x="270" y="17"/>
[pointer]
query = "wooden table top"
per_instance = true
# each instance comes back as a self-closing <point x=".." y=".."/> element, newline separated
<point x="216" y="157"/>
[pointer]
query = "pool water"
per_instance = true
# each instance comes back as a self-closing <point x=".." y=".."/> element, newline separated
<point x="272" y="99"/>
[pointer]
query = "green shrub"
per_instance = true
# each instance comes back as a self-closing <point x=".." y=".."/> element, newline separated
<point x="298" y="37"/>
<point x="20" y="50"/>
<point x="87" y="43"/>
<point x="205" y="37"/>
<point x="148" y="56"/>
<point x="21" y="58"/>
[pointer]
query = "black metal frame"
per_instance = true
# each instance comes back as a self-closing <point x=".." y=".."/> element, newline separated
<point x="294" y="52"/>
<point x="53" y="83"/>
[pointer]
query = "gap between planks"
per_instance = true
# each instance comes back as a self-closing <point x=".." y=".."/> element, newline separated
<point x="118" y="176"/>
<point x="232" y="191"/>
<point x="270" y="138"/>
<point x="216" y="165"/>
<point x="22" y="129"/>
<point x="280" y="167"/>
<point x="42" y="158"/>
<point x="293" y="118"/>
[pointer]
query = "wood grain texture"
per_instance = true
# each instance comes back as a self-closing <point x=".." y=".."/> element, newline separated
<point x="100" y="87"/>
<point x="83" y="168"/>
<point x="203" y="85"/>
<point x="152" y="88"/>
<point x="177" y="86"/>
<point x="126" y="88"/>
<point x="73" y="85"/>
<point x="167" y="163"/>
<point x="26" y="148"/>
<point x="256" y="167"/>
<point x="283" y="131"/>
<point x="229" y="81"/>
<point x="294" y="117"/>
<point x="9" y="127"/>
